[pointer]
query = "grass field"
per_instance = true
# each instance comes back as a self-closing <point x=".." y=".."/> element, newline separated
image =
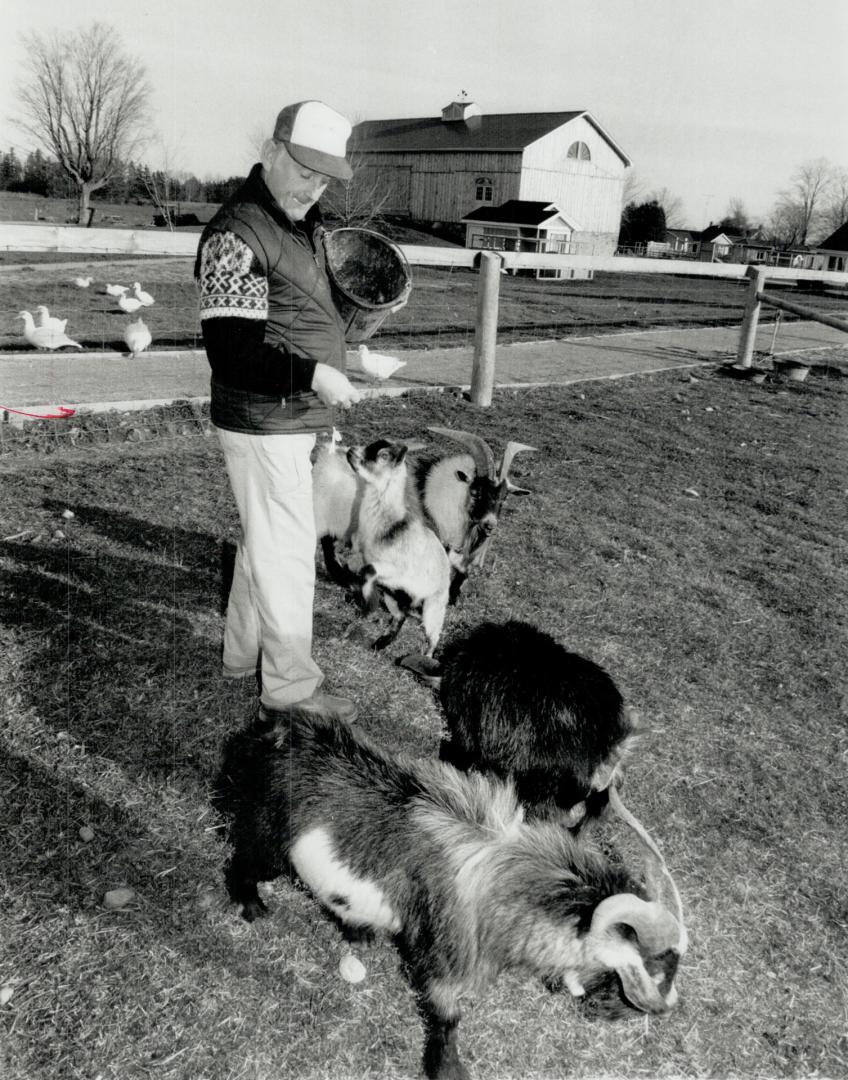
<point x="689" y="534"/>
<point x="441" y="311"/>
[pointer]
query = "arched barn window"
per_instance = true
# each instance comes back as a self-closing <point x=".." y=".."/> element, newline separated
<point x="484" y="188"/>
<point x="580" y="151"/>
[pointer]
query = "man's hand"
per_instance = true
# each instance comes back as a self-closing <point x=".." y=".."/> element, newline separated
<point x="334" y="388"/>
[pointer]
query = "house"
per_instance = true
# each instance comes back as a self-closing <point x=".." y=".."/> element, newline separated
<point x="715" y="244"/>
<point x="682" y="241"/>
<point x="832" y="252"/>
<point x="443" y="168"/>
<point x="523" y="225"/>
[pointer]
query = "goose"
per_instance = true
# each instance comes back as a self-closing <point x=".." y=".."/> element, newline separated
<point x="44" y="337"/>
<point x="141" y="295"/>
<point x="137" y="336"/>
<point x="46" y="319"/>
<point x="378" y="365"/>
<point x="128" y="304"/>
<point x="116" y="290"/>
<point x="82" y="282"/>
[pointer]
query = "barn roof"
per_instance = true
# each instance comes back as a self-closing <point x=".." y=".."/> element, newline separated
<point x="837" y="241"/>
<point x="498" y="131"/>
<point x="515" y="212"/>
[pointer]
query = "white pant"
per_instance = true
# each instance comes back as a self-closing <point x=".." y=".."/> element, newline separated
<point x="269" y="613"/>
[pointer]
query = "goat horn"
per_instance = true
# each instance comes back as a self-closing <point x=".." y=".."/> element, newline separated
<point x="656" y="860"/>
<point x="480" y="450"/>
<point x="512" y="448"/>
<point x="655" y="926"/>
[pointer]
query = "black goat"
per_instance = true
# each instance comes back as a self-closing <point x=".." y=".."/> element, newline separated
<point x="519" y="705"/>
<point x="443" y="862"/>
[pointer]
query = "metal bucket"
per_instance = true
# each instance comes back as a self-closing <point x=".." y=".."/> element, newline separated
<point x="368" y="274"/>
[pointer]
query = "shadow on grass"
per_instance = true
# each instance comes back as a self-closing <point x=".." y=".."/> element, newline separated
<point x="125" y="637"/>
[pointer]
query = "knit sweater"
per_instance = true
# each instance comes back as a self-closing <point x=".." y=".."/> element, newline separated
<point x="267" y="314"/>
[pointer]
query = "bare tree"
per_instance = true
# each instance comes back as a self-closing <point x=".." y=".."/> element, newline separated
<point x="633" y="190"/>
<point x="799" y="207"/>
<point x="86" y="101"/>
<point x="835" y="212"/>
<point x="672" y="205"/>
<point x="365" y="199"/>
<point x="736" y="217"/>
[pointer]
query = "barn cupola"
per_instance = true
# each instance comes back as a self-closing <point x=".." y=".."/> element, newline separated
<point x="460" y="110"/>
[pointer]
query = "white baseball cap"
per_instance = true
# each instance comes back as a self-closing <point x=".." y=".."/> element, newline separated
<point x="316" y="137"/>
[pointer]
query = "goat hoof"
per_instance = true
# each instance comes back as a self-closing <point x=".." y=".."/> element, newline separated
<point x="253" y="909"/>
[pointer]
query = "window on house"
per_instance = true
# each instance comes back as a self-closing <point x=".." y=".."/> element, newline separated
<point x="580" y="151"/>
<point x="483" y="188"/>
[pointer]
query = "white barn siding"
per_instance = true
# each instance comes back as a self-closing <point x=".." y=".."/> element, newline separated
<point x="589" y="191"/>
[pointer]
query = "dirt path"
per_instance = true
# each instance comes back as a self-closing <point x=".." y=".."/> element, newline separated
<point x="99" y="380"/>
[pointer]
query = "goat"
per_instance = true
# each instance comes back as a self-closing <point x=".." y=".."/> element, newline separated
<point x="460" y="496"/>
<point x="405" y="565"/>
<point x="519" y="705"/>
<point x="443" y="862"/>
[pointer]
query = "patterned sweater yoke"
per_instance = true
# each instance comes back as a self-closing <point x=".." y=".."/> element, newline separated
<point x="231" y="278"/>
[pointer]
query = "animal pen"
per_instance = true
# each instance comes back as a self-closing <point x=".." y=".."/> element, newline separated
<point x="488" y="323"/>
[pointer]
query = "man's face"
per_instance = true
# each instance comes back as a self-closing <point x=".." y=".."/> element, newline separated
<point x="294" y="187"/>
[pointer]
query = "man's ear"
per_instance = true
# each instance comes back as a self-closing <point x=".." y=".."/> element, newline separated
<point x="266" y="154"/>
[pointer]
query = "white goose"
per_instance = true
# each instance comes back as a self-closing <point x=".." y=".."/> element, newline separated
<point x="141" y="295"/>
<point x="137" y="336"/>
<point x="83" y="282"/>
<point x="128" y="304"/>
<point x="378" y="365"/>
<point x="116" y="290"/>
<point x="44" y="337"/>
<point x="46" y="319"/>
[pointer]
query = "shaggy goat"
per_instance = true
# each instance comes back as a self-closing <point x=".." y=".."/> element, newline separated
<point x="519" y="705"/>
<point x="443" y="862"/>
<point x="405" y="565"/>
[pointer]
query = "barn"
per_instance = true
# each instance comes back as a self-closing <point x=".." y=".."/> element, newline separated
<point x="446" y="167"/>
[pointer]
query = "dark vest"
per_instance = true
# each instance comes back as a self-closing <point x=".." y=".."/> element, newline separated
<point x="302" y="318"/>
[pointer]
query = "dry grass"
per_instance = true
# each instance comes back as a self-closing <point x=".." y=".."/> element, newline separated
<point x="721" y="614"/>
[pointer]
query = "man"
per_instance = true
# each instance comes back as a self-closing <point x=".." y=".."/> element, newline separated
<point x="275" y="343"/>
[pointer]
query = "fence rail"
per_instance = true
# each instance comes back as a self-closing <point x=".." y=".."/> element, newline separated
<point x="75" y="240"/>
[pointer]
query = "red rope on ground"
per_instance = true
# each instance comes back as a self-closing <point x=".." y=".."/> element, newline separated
<point x="63" y="412"/>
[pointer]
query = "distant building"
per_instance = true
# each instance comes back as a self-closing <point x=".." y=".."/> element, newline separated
<point x="445" y="168"/>
<point x="521" y="225"/>
<point x="832" y="252"/>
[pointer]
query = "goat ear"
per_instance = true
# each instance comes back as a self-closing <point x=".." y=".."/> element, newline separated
<point x="400" y="452"/>
<point x="514" y="489"/>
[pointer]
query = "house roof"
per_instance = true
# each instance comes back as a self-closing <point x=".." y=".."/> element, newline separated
<point x="689" y="234"/>
<point x="837" y="241"/>
<point x="516" y="212"/>
<point x="499" y="131"/>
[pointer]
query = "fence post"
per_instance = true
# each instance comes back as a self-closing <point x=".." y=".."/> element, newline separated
<point x="748" y="330"/>
<point x="483" y="368"/>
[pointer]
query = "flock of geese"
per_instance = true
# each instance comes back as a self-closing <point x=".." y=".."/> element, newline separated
<point x="46" y="331"/>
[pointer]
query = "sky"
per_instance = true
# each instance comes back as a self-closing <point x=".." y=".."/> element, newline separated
<point x="712" y="100"/>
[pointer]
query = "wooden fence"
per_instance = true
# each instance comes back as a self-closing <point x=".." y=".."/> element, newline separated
<point x="75" y="240"/>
